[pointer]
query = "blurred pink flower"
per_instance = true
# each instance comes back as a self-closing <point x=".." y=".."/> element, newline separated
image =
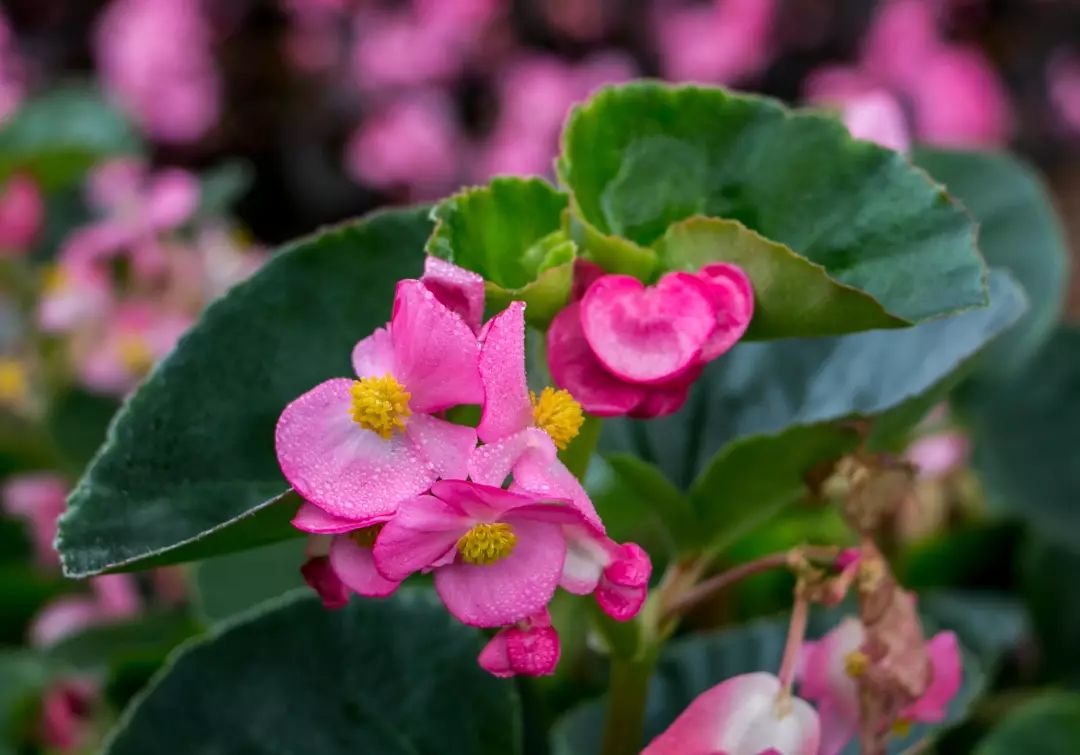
<point x="939" y="454"/>
<point x="22" y="212"/>
<point x="870" y="111"/>
<point x="113" y="597"/>
<point x="1063" y="76"/>
<point x="155" y="58"/>
<point x="12" y="73"/>
<point x="412" y="144"/>
<point x="39" y="498"/>
<point x="725" y="42"/>
<point x="959" y="101"/>
<point x="64" y="722"/>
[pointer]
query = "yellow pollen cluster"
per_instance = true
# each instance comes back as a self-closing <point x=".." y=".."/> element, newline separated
<point x="365" y="537"/>
<point x="13" y="383"/>
<point x="855" y="663"/>
<point x="54" y="279"/>
<point x="485" y="544"/>
<point x="380" y="404"/>
<point x="135" y="353"/>
<point x="558" y="414"/>
<point x="901" y="727"/>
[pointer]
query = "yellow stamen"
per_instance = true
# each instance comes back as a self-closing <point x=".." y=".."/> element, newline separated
<point x="365" y="537"/>
<point x="380" y="404"/>
<point x="135" y="353"/>
<point x="558" y="414"/>
<point x="856" y="663"/>
<point x="901" y="727"/>
<point x="13" y="382"/>
<point x="54" y="279"/>
<point x="485" y="544"/>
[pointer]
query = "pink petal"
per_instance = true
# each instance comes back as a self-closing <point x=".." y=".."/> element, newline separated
<point x="740" y="717"/>
<point x="960" y="101"/>
<point x="575" y="367"/>
<point x="460" y="290"/>
<point x="117" y="595"/>
<point x="374" y="356"/>
<point x="646" y="335"/>
<point x="355" y="566"/>
<point x="838" y="726"/>
<point x="482" y="502"/>
<point x="116" y="183"/>
<point x="172" y="198"/>
<point x="311" y="518"/>
<point x="511" y="589"/>
<point x="939" y="454"/>
<point x="947" y="677"/>
<point x="878" y="117"/>
<point x="491" y="463"/>
<point x="22" y="211"/>
<point x="62" y="618"/>
<point x="824" y="675"/>
<point x="323" y="579"/>
<point x="667" y="398"/>
<point x="625" y="582"/>
<point x="507" y="409"/>
<point x="543" y="475"/>
<point x="586" y="273"/>
<point x="444" y="445"/>
<point x="339" y="466"/>
<point x="732" y="298"/>
<point x="529" y="652"/>
<point x="424" y="530"/>
<point x="435" y="352"/>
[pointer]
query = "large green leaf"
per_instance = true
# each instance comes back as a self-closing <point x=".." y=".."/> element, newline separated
<point x="1052" y="592"/>
<point x="388" y="677"/>
<point x="510" y="232"/>
<point x="60" y="134"/>
<point x="642" y="156"/>
<point x="1018" y="231"/>
<point x="766" y="388"/>
<point x="102" y="647"/>
<point x="191" y="454"/>
<point x="1025" y="433"/>
<point x="1046" y="725"/>
<point x="230" y="584"/>
<point x="23" y="677"/>
<point x="792" y="295"/>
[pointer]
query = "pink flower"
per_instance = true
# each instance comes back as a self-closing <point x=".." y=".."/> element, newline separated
<point x="460" y="290"/>
<point x="869" y="110"/>
<point x="155" y="58"/>
<point x="939" y="454"/>
<point x="340" y="556"/>
<point x="1063" y="77"/>
<point x="497" y="556"/>
<point x="22" y="212"/>
<point x="617" y="575"/>
<point x="630" y="349"/>
<point x="831" y="666"/>
<point x="113" y="597"/>
<point x="39" y="498"/>
<point x="960" y="101"/>
<point x="64" y="722"/>
<point x="529" y="648"/>
<point x="356" y="448"/>
<point x="724" y="42"/>
<point x="745" y="715"/>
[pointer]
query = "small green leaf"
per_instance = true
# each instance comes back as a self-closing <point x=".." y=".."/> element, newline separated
<point x="1018" y="231"/>
<point x="394" y="677"/>
<point x="188" y="469"/>
<point x="793" y="297"/>
<point x="639" y="157"/>
<point x="510" y="232"/>
<point x="1046" y="725"/>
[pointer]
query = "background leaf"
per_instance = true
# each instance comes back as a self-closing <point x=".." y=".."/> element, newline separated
<point x="639" y="157"/>
<point x="193" y="450"/>
<point x="1046" y="725"/>
<point x="388" y="677"/>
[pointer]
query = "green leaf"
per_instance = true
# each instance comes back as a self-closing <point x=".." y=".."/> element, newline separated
<point x="101" y="647"/>
<point x="509" y="232"/>
<point x="1052" y="594"/>
<point x="60" y="134"/>
<point x="793" y="297"/>
<point x="188" y="469"/>
<point x="639" y="157"/>
<point x="766" y="388"/>
<point x="689" y="667"/>
<point x="1018" y="231"/>
<point x="1025" y="434"/>
<point x="23" y="677"/>
<point x="637" y="496"/>
<point x="1046" y="725"/>
<point x="388" y="677"/>
<point x="228" y="585"/>
<point x="77" y="422"/>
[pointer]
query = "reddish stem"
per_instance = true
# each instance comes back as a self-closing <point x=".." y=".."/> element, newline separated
<point x="796" y="632"/>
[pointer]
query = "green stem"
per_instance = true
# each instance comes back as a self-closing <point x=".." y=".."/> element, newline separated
<point x="627" y="695"/>
<point x="577" y="455"/>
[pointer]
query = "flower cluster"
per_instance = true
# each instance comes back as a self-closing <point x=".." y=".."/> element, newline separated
<point x="392" y="487"/>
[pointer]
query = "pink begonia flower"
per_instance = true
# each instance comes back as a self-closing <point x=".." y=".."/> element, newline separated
<point x="1063" y="78"/>
<point x="939" y="454"/>
<point x="630" y="349"/>
<point x="339" y="556"/>
<point x="497" y="556"/>
<point x="869" y="110"/>
<point x="413" y="143"/>
<point x="136" y="336"/>
<point x="356" y="448"/>
<point x="113" y="597"/>
<point x="902" y="37"/>
<point x="959" y="100"/>
<point x="22" y="212"/>
<point x="724" y="42"/>
<point x="529" y="648"/>
<point x="39" y="498"/>
<point x="460" y="290"/>
<point x="748" y="714"/>
<point x="828" y="671"/>
<point x="64" y="720"/>
<point x="155" y="58"/>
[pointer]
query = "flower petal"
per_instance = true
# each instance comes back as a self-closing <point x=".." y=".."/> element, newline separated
<point x="647" y="335"/>
<point x="374" y="356"/>
<point x="460" y="290"/>
<point x="446" y="446"/>
<point x="948" y="673"/>
<point x="435" y="352"/>
<point x="543" y="475"/>
<point x="355" y="566"/>
<point x="339" y="466"/>
<point x="625" y="583"/>
<point x="530" y="648"/>
<point x="507" y="409"/>
<point x="480" y="502"/>
<point x="323" y="579"/>
<point x="311" y="518"/>
<point x="511" y="589"/>
<point x="490" y="464"/>
<point x="423" y="531"/>
<point x="732" y="298"/>
<point x="172" y="197"/>
<point x="575" y="368"/>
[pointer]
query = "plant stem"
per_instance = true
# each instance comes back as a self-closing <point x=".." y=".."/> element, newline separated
<point x="629" y="690"/>
<point x="704" y="590"/>
<point x="796" y="633"/>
